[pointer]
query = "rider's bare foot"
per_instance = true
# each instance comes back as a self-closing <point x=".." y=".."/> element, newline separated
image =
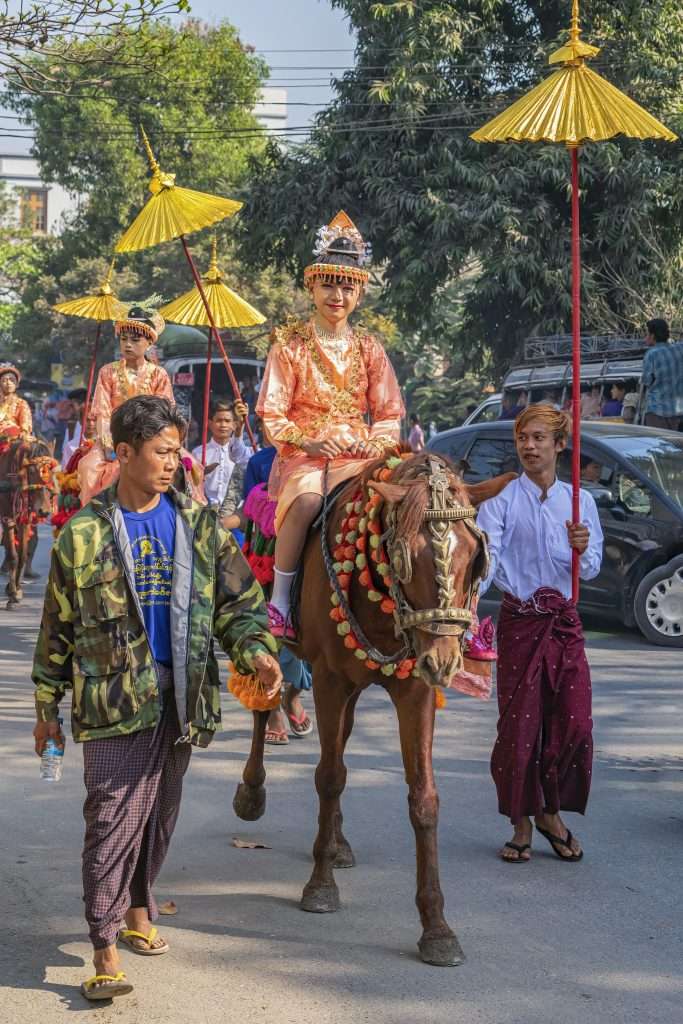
<point x="553" y="824"/>
<point x="519" y="847"/>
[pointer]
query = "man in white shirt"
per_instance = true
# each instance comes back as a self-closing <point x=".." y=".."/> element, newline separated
<point x="226" y="448"/>
<point x="72" y="433"/>
<point x="542" y="760"/>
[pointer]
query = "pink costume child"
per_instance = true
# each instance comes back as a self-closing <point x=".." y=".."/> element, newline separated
<point x="129" y="376"/>
<point x="324" y="378"/>
<point x="15" y="412"/>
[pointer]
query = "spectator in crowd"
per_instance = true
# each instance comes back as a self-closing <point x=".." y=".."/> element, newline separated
<point x="615" y="403"/>
<point x="226" y="447"/>
<point x="552" y="397"/>
<point x="663" y="377"/>
<point x="416" y="437"/>
<point x="630" y="407"/>
<point x="72" y="431"/>
<point x="513" y="404"/>
<point x="591" y="401"/>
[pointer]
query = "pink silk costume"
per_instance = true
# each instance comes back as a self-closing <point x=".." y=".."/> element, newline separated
<point x="15" y="412"/>
<point x="113" y="388"/>
<point x="318" y="391"/>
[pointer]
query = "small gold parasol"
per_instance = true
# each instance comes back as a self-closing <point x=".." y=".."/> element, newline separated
<point x="572" y="106"/>
<point x="101" y="306"/>
<point x="174" y="212"/>
<point x="227" y="310"/>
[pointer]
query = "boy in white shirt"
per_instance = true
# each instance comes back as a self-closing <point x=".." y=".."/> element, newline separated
<point x="226" y="448"/>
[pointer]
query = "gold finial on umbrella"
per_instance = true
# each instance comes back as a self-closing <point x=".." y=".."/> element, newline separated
<point x="227" y="310"/>
<point x="172" y="211"/>
<point x="102" y="305"/>
<point x="572" y="106"/>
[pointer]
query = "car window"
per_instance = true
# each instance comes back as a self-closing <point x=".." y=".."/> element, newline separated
<point x="491" y="456"/>
<point x="611" y="487"/>
<point x="488" y="413"/>
<point x="451" y="445"/>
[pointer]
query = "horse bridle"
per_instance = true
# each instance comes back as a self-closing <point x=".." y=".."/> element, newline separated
<point x="444" y="620"/>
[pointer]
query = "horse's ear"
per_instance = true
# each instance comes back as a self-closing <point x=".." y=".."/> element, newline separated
<point x="392" y="493"/>
<point x="488" y="488"/>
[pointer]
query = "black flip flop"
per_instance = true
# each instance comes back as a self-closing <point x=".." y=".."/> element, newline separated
<point x="520" y="848"/>
<point x="556" y="841"/>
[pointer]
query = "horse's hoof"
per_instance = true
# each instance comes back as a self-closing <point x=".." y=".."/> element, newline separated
<point x="320" y="900"/>
<point x="441" y="952"/>
<point x="345" y="857"/>
<point x="249" y="802"/>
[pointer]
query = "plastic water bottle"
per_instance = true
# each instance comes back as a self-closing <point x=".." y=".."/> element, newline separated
<point x="52" y="760"/>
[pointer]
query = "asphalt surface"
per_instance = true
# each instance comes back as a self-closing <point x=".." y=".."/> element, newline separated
<point x="591" y="943"/>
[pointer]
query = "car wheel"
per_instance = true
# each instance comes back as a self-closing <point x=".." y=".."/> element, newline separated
<point x="658" y="605"/>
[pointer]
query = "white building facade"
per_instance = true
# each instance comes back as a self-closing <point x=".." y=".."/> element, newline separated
<point x="41" y="206"/>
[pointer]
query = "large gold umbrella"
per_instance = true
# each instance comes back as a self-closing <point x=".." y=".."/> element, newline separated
<point x="101" y="306"/>
<point x="227" y="310"/>
<point x="574" y="105"/>
<point x="173" y="212"/>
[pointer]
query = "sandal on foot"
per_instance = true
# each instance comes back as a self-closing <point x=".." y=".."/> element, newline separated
<point x="299" y="726"/>
<point x="566" y="844"/>
<point x="106" y="986"/>
<point x="276" y="737"/>
<point x="131" y="938"/>
<point x="519" y="848"/>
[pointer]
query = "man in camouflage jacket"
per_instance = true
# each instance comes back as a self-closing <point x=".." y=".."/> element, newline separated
<point x="137" y="718"/>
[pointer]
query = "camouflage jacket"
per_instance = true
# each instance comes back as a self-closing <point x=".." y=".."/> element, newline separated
<point x="92" y="635"/>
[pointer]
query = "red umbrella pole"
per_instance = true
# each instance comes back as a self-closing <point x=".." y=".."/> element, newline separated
<point x="207" y="398"/>
<point x="91" y="379"/>
<point x="216" y="335"/>
<point x="576" y="365"/>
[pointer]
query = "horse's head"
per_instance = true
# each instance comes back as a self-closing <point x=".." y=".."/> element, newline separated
<point x="36" y="470"/>
<point x="437" y="557"/>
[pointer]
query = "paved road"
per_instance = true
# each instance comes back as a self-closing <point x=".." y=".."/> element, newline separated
<point x="594" y="943"/>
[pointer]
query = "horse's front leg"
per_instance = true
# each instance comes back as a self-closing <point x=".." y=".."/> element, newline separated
<point x="321" y="896"/>
<point x="13" y="590"/>
<point x="249" y="802"/>
<point x="415" y="705"/>
<point x="24" y="535"/>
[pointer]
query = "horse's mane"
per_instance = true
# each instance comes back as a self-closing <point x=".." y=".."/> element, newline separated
<point x="413" y="473"/>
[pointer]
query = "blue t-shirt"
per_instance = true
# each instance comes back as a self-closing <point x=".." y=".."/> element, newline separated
<point x="258" y="469"/>
<point x="152" y="540"/>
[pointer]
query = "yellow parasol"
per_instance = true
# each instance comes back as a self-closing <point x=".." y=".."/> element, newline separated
<point x="574" y="105"/>
<point x="227" y="310"/>
<point x="174" y="212"/>
<point x="101" y="306"/>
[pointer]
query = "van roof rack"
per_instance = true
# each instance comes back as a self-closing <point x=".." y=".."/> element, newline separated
<point x="558" y="347"/>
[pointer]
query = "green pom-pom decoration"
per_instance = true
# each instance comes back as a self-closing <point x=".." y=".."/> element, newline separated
<point x="360" y="654"/>
<point x="347" y="566"/>
<point x="361" y="561"/>
<point x="363" y="525"/>
<point x="375" y="595"/>
<point x="388" y="670"/>
<point x="334" y="599"/>
<point x="383" y="568"/>
<point x="343" y="629"/>
<point x="348" y="508"/>
<point x="375" y="540"/>
<point x="358" y="507"/>
<point x="352" y="537"/>
<point x="337" y="566"/>
<point x="338" y="538"/>
<point x="415" y="673"/>
<point x="393" y="462"/>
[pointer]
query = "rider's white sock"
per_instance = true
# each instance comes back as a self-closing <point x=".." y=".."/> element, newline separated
<point x="282" y="589"/>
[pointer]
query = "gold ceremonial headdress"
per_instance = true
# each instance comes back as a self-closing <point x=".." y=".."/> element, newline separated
<point x="146" y="323"/>
<point x="10" y="368"/>
<point x="341" y="253"/>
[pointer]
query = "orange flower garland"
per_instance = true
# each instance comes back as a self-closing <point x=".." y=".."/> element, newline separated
<point x="251" y="693"/>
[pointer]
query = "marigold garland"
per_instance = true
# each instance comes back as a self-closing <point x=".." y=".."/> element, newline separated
<point x="360" y="539"/>
<point x="251" y="693"/>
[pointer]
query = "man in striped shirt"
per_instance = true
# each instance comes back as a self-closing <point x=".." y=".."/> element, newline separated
<point x="663" y="377"/>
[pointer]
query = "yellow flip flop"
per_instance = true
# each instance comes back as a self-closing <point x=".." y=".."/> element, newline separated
<point x="106" y="986"/>
<point x="127" y="935"/>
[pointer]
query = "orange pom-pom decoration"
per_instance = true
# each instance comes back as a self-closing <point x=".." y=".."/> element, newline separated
<point x="388" y="606"/>
<point x="385" y="474"/>
<point x="362" y="543"/>
<point x="344" y="580"/>
<point x="337" y="615"/>
<point x="351" y="642"/>
<point x="373" y="665"/>
<point x="350" y="552"/>
<point x="365" y="578"/>
<point x="251" y="693"/>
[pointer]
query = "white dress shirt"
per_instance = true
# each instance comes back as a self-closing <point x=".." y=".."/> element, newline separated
<point x="71" y="443"/>
<point x="528" y="540"/>
<point x="235" y="452"/>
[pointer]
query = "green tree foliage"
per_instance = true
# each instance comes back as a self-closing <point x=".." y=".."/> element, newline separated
<point x="394" y="150"/>
<point x="21" y="256"/>
<point x="197" y="111"/>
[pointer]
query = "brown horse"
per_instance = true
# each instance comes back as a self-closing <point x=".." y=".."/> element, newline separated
<point x="437" y="557"/>
<point x="27" y="491"/>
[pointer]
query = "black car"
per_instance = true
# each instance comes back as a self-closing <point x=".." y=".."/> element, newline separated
<point x="635" y="475"/>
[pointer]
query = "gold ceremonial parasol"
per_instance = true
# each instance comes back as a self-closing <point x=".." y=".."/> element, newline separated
<point x="101" y="306"/>
<point x="227" y="310"/>
<point x="174" y="212"/>
<point x="572" y="106"/>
